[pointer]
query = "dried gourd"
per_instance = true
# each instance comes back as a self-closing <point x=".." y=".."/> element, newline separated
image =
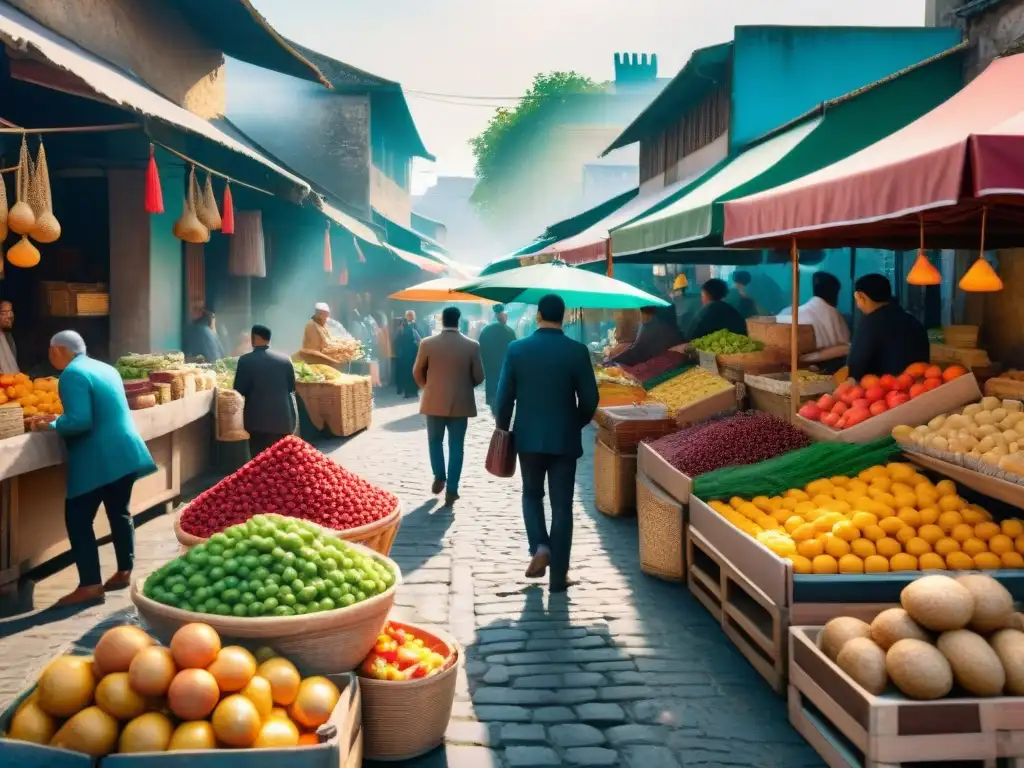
<point x="47" y="228"/>
<point x="20" y="218"/>
<point x="189" y="228"/>
<point x="23" y="254"/>
<point x="206" y="207"/>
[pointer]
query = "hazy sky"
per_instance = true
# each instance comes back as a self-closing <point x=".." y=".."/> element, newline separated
<point x="488" y="48"/>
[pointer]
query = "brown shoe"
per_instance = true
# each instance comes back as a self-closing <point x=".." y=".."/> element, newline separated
<point x="93" y="594"/>
<point x="120" y="580"/>
<point x="538" y="565"/>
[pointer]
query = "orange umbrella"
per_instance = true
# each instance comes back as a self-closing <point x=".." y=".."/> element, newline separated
<point x="438" y="291"/>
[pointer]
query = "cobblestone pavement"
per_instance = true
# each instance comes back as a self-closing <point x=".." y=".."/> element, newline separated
<point x="625" y="670"/>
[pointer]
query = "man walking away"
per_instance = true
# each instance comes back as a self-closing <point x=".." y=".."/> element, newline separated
<point x="549" y="382"/>
<point x="494" y="341"/>
<point x="448" y="368"/>
<point x="266" y="379"/>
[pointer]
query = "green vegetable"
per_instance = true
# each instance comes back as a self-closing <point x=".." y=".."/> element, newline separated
<point x="303" y="372"/>
<point x="794" y="469"/>
<point x="725" y="342"/>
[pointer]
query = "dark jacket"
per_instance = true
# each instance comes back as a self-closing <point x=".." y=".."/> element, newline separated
<point x="204" y="342"/>
<point x="656" y="337"/>
<point x="547" y="379"/>
<point x="887" y="341"/>
<point x="714" y="316"/>
<point x="494" y="341"/>
<point x="266" y="379"/>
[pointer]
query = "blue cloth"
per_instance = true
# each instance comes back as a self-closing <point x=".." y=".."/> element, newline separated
<point x="204" y="342"/>
<point x="547" y="379"/>
<point x="456" y="428"/>
<point x="103" y="444"/>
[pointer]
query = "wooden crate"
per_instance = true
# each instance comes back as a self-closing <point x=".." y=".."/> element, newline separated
<point x="666" y="478"/>
<point x="754" y="623"/>
<point x="661" y="521"/>
<point x="614" y="481"/>
<point x="778" y="335"/>
<point x="850" y="727"/>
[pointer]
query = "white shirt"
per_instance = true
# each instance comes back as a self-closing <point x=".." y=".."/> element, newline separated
<point x="8" y="363"/>
<point x="830" y="329"/>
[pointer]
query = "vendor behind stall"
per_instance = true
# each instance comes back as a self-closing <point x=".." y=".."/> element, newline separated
<point x="203" y="340"/>
<point x="715" y="315"/>
<point x="658" y="333"/>
<point x="687" y="305"/>
<point x="887" y="338"/>
<point x="8" y="352"/>
<point x="740" y="298"/>
<point x="830" y="328"/>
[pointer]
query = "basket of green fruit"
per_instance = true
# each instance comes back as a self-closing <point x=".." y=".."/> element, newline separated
<point x="277" y="581"/>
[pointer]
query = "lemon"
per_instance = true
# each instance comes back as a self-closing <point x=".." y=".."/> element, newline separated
<point x="863" y="548"/>
<point x="801" y="564"/>
<point x="972" y="515"/>
<point x="888" y="547"/>
<point x="899" y="471"/>
<point x="825" y="564"/>
<point x="974" y="547"/>
<point x="802" y="508"/>
<point x="917" y="547"/>
<point x="920" y="481"/>
<point x="962" y="532"/>
<point x="851" y="564"/>
<point x="926" y="497"/>
<point x="959" y="561"/>
<point x="767" y="522"/>
<point x="857" y="487"/>
<point x="900" y="488"/>
<point x="931" y="562"/>
<point x="839" y="481"/>
<point x="946" y="488"/>
<point x="775" y="502"/>
<point x="950" y="520"/>
<point x="816" y="487"/>
<point x="781" y="515"/>
<point x="929" y="515"/>
<point x="736" y="502"/>
<point x="1012" y="560"/>
<point x="945" y="546"/>
<point x="799" y="495"/>
<point x="749" y="511"/>
<point x="910" y="516"/>
<point x="840" y="494"/>
<point x="874" y="532"/>
<point x="907" y="499"/>
<point x="987" y="561"/>
<point x="890" y="525"/>
<point x="792" y="523"/>
<point x="762" y="502"/>
<point x="932" y="533"/>
<point x="840" y="506"/>
<point x="804" y="532"/>
<point x="951" y="503"/>
<point x="788" y="504"/>
<point x="876" y="564"/>
<point x="1000" y="544"/>
<point x="822" y="500"/>
<point x="845" y="530"/>
<point x="782" y="547"/>
<point x="863" y="502"/>
<point x="986" y="531"/>
<point x="903" y="562"/>
<point x="905" y="534"/>
<point x="863" y="520"/>
<point x="881" y="484"/>
<point x="810" y="548"/>
<point x="836" y="547"/>
<point x="1012" y="527"/>
<point x="813" y="514"/>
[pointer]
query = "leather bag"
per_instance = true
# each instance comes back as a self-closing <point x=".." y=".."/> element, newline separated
<point x="501" y="454"/>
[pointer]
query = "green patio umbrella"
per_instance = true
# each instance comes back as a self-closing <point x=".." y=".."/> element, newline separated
<point x="578" y="288"/>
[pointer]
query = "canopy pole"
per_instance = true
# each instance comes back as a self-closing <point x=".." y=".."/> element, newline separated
<point x="610" y="270"/>
<point x="794" y="335"/>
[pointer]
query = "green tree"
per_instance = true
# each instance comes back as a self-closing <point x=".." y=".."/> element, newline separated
<point x="496" y="146"/>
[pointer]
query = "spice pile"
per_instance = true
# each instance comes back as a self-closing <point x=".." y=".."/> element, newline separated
<point x="746" y="438"/>
<point x="291" y="478"/>
<point x="656" y="366"/>
<point x="687" y="388"/>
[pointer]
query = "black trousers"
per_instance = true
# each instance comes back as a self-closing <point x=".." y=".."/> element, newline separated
<point x="79" y="514"/>
<point x="560" y="473"/>
<point x="260" y="441"/>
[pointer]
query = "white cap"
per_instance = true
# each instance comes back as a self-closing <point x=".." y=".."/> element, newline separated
<point x="322" y="307"/>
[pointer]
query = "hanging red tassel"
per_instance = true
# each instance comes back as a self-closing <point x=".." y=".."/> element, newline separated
<point x="343" y="277"/>
<point x="328" y="261"/>
<point x="154" y="195"/>
<point x="227" y="213"/>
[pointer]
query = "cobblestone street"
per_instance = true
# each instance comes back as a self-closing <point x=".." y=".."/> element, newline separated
<point x="624" y="671"/>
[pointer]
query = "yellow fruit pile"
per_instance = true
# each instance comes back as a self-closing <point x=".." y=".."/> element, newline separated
<point x="687" y="388"/>
<point x="39" y="396"/>
<point x="888" y="518"/>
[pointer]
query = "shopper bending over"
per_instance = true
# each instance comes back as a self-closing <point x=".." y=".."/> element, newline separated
<point x="716" y="314"/>
<point x="887" y="339"/>
<point x="105" y="456"/>
<point x="658" y="334"/>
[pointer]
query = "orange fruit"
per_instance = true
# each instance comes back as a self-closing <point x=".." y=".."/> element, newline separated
<point x="825" y="564"/>
<point x="903" y="562"/>
<point x="931" y="562"/>
<point x="863" y="520"/>
<point x="909" y="516"/>
<point x="863" y="548"/>
<point x="986" y="531"/>
<point x="987" y="561"/>
<point x="946" y="545"/>
<point x="950" y="520"/>
<point x="801" y="564"/>
<point x="952" y="503"/>
<point x="905" y="534"/>
<point x="891" y="525"/>
<point x="974" y="547"/>
<point x="1018" y="543"/>
<point x="1012" y="560"/>
<point x="929" y="515"/>
<point x="1012" y="527"/>
<point x="1000" y="544"/>
<point x="961" y="532"/>
<point x="836" y="547"/>
<point x="959" y="561"/>
<point x="917" y="547"/>
<point x="851" y="564"/>
<point x="876" y="564"/>
<point x="888" y="547"/>
<point x="931" y="533"/>
<point x="810" y="548"/>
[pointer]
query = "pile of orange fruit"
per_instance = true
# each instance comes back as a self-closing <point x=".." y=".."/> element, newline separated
<point x="34" y="397"/>
<point x="888" y="518"/>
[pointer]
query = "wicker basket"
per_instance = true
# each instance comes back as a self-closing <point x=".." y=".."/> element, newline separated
<point x="356" y="405"/>
<point x="343" y="408"/>
<point x="662" y="536"/>
<point x="961" y="336"/>
<point x="776" y="335"/>
<point x="12" y="420"/>
<point x="228" y="416"/>
<point x="378" y="535"/>
<point x="614" y="481"/>
<point x="336" y="640"/>
<point x="405" y="719"/>
<point x="624" y="435"/>
<point x="1005" y="388"/>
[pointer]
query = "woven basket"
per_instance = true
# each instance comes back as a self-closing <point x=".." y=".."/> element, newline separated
<point x="378" y="535"/>
<point x="335" y="640"/>
<point x="356" y="405"/>
<point x="662" y="536"/>
<point x="228" y="416"/>
<point x="961" y="336"/>
<point x="405" y="719"/>
<point x="1004" y="388"/>
<point x="12" y="421"/>
<point x="614" y="481"/>
<point x="624" y="435"/>
<point x="336" y="406"/>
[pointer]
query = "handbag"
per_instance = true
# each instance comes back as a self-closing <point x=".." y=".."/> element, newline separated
<point x="501" y="454"/>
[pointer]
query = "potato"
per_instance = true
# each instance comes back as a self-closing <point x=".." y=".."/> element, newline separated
<point x="991" y="403"/>
<point x="937" y="422"/>
<point x="972" y="409"/>
<point x="999" y="414"/>
<point x="958" y="422"/>
<point x="1013" y="406"/>
<point x="1011" y="435"/>
<point x="939" y="443"/>
<point x="991" y="458"/>
<point x="984" y="418"/>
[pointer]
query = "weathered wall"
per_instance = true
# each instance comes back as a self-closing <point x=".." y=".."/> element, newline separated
<point x="993" y="32"/>
<point x="148" y="39"/>
<point x="389" y="199"/>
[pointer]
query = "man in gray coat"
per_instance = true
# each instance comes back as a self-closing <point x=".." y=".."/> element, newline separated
<point x="448" y="368"/>
<point x="266" y="379"/>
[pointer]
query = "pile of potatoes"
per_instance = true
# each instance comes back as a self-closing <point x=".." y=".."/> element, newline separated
<point x="959" y="630"/>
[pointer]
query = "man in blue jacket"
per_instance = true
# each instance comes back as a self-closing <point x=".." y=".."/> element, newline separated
<point x="547" y="379"/>
<point x="105" y="456"/>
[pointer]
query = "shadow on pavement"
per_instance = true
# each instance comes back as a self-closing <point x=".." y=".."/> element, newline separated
<point x="411" y="423"/>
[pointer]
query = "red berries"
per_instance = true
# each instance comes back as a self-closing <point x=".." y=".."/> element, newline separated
<point x="290" y="478"/>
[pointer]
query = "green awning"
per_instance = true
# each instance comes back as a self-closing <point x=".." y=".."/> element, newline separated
<point x="831" y="132"/>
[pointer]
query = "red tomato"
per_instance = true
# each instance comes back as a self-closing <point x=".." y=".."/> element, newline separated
<point x="887" y="382"/>
<point x="878" y="407"/>
<point x="904" y="382"/>
<point x="830" y="420"/>
<point x="874" y="394"/>
<point x="810" y="411"/>
<point x="840" y="408"/>
<point x="869" y="381"/>
<point x="856" y="415"/>
<point x="409" y="656"/>
<point x="896" y="398"/>
<point x="917" y="390"/>
<point x="826" y="402"/>
<point x="930" y="384"/>
<point x="861" y="402"/>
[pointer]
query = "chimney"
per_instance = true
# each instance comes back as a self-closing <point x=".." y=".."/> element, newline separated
<point x="635" y="69"/>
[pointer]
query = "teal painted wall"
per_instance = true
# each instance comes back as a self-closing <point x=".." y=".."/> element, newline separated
<point x="779" y="73"/>
<point x="166" y="261"/>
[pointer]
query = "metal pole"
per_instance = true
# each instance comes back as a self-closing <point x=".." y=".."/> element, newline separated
<point x="794" y="335"/>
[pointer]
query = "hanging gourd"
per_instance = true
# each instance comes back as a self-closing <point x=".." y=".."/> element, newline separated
<point x="47" y="228"/>
<point x="21" y="219"/>
<point x="189" y="228"/>
<point x="206" y="207"/>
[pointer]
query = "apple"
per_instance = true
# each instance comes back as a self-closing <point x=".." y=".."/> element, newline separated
<point x="810" y="411"/>
<point x="826" y="402"/>
<point x="904" y="382"/>
<point x="878" y="408"/>
<point x="830" y="420"/>
<point x="917" y="390"/>
<point x="933" y="372"/>
<point x="856" y="415"/>
<point x="930" y="384"/>
<point x="887" y="382"/>
<point x="874" y="394"/>
<point x="896" y="398"/>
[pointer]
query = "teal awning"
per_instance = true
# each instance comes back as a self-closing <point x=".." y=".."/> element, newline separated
<point x="835" y="130"/>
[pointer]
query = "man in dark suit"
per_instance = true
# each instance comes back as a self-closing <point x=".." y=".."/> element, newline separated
<point x="266" y="379"/>
<point x="548" y="380"/>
